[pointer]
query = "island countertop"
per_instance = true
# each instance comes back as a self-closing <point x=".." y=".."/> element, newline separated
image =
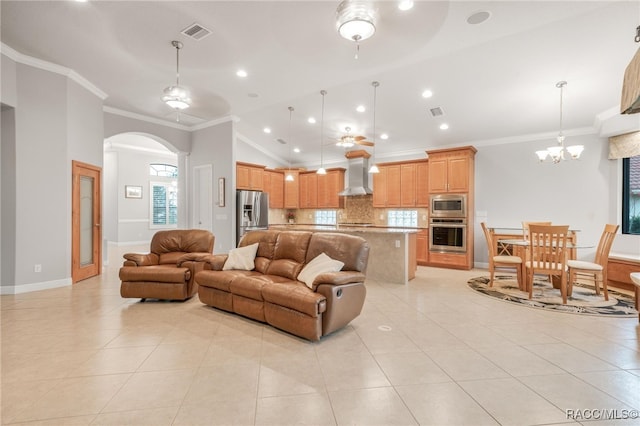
<point x="344" y="228"/>
<point x="392" y="251"/>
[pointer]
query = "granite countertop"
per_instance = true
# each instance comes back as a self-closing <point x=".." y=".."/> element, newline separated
<point x="345" y="228"/>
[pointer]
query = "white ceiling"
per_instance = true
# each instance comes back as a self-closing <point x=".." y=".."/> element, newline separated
<point x="494" y="80"/>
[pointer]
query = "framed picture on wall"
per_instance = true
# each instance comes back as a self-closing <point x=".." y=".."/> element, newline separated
<point x="131" y="191"/>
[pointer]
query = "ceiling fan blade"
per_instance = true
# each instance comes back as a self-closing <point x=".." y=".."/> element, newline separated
<point x="359" y="138"/>
<point x="365" y="143"/>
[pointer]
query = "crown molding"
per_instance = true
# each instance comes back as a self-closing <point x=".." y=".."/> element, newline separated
<point x="260" y="148"/>
<point x="533" y="137"/>
<point x="51" y="67"/>
<point x="215" y="122"/>
<point x="146" y="118"/>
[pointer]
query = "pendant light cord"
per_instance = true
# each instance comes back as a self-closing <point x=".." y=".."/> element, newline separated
<point x="322" y="92"/>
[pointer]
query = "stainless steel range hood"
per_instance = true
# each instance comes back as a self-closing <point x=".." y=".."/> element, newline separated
<point x="357" y="174"/>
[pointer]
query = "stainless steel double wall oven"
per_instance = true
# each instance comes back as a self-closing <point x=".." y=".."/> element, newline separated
<point x="448" y="223"/>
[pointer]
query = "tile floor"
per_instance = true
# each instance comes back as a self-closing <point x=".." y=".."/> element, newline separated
<point x="432" y="353"/>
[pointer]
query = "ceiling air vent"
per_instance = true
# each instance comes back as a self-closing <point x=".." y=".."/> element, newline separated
<point x="282" y="141"/>
<point x="436" y="112"/>
<point x="196" y="31"/>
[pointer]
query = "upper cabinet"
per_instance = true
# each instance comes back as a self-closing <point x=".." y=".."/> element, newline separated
<point x="274" y="185"/>
<point x="321" y="191"/>
<point x="329" y="186"/>
<point x="292" y="191"/>
<point x="401" y="184"/>
<point x="451" y="170"/>
<point x="249" y="176"/>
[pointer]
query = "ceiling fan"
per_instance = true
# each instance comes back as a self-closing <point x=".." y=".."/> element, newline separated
<point x="348" y="140"/>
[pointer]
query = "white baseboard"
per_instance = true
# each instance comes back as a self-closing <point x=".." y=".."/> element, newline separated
<point x="28" y="288"/>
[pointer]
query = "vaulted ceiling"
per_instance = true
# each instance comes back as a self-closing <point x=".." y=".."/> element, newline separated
<point x="493" y="81"/>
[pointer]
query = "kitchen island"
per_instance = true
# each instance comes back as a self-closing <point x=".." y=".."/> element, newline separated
<point x="392" y="251"/>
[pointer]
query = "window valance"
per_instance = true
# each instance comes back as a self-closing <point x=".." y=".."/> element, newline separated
<point x="624" y="146"/>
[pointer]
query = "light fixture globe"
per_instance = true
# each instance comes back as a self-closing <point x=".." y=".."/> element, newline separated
<point x="356" y="20"/>
<point x="176" y="97"/>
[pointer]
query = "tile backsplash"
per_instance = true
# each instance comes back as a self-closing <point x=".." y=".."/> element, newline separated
<point x="357" y="210"/>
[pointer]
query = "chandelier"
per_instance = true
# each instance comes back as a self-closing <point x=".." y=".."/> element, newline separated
<point x="177" y="97"/>
<point x="356" y="21"/>
<point x="556" y="153"/>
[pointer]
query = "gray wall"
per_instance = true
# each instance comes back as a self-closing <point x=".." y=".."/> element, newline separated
<point x="215" y="145"/>
<point x="56" y="121"/>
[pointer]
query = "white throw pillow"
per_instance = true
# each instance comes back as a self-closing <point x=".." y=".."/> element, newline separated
<point x="319" y="265"/>
<point x="241" y="258"/>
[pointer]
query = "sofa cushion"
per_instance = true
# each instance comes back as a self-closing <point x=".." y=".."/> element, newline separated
<point x="267" y="242"/>
<point x="182" y="240"/>
<point x="350" y="249"/>
<point x="319" y="265"/>
<point x="241" y="258"/>
<point x="249" y="286"/>
<point x="295" y="295"/>
<point x="221" y="280"/>
<point x="289" y="254"/>
<point x="155" y="273"/>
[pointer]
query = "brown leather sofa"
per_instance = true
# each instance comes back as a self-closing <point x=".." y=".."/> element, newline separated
<point x="168" y="271"/>
<point x="271" y="293"/>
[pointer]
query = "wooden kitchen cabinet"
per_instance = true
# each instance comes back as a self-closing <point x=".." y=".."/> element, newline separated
<point x="401" y="184"/>
<point x="329" y="186"/>
<point x="274" y="185"/>
<point x="408" y="185"/>
<point x="422" y="184"/>
<point x="308" y="190"/>
<point x="249" y="176"/>
<point x="292" y="191"/>
<point x="451" y="170"/>
<point x="386" y="186"/>
<point x="422" y="247"/>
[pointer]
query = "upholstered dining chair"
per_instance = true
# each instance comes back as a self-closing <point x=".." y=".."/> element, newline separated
<point x="595" y="271"/>
<point x="498" y="261"/>
<point x="547" y="255"/>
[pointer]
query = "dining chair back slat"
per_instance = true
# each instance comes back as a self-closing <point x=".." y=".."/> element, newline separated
<point x="547" y="254"/>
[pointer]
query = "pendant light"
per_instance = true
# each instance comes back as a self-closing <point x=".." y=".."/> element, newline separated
<point x="177" y="97"/>
<point x="556" y="153"/>
<point x="374" y="167"/>
<point x="289" y="177"/>
<point x="321" y="170"/>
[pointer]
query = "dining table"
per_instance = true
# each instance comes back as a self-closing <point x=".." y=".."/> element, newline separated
<point x="518" y="247"/>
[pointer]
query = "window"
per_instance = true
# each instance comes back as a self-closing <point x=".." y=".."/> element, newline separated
<point x="163" y="170"/>
<point x="325" y="217"/>
<point x="631" y="195"/>
<point x="164" y="205"/>
<point x="402" y="218"/>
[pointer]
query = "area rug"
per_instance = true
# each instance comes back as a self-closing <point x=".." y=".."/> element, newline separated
<point x="583" y="300"/>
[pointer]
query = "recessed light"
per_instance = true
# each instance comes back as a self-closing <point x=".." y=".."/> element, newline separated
<point x="478" y="17"/>
<point x="405" y="5"/>
<point x="241" y="73"/>
<point x="384" y="136"/>
<point x="311" y="120"/>
<point x="296" y="150"/>
<point x="266" y="130"/>
<point x="444" y="126"/>
<point x="361" y="108"/>
<point x="427" y="93"/>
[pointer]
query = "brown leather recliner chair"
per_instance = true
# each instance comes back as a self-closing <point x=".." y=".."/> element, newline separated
<point x="168" y="271"/>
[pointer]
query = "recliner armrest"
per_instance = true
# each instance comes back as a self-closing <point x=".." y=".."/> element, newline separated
<point x="194" y="257"/>
<point x="141" y="259"/>
<point x="338" y="278"/>
<point x="215" y="262"/>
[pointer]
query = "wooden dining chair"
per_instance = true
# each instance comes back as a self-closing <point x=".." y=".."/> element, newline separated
<point x="595" y="271"/>
<point x="500" y="261"/>
<point x="525" y="227"/>
<point x="547" y="255"/>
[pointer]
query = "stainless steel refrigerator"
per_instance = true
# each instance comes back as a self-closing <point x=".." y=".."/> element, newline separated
<point x="252" y="212"/>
